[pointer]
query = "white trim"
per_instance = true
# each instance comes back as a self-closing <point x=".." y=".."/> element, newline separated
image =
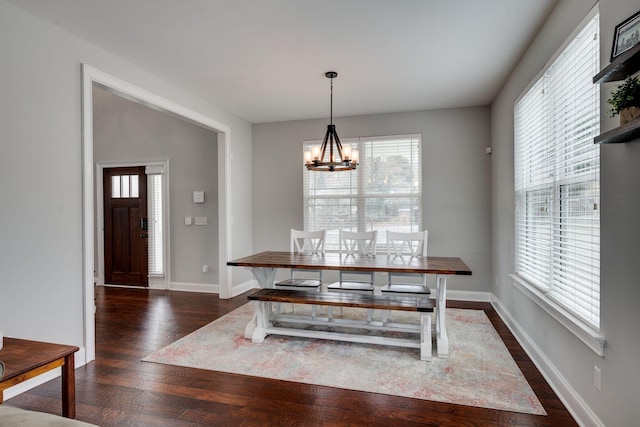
<point x="576" y="406"/>
<point x="593" y="12"/>
<point x="593" y="339"/>
<point x="244" y="287"/>
<point x="90" y="76"/>
<point x="475" y="296"/>
<point x="158" y="281"/>
<point x="207" y="288"/>
<point x="164" y="164"/>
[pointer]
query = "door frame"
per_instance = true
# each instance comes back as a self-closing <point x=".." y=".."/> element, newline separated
<point x="166" y="224"/>
<point x="91" y="76"/>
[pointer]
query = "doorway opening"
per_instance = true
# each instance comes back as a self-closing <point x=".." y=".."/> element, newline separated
<point x="91" y="77"/>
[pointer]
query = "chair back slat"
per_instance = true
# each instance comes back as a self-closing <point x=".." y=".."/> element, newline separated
<point x="308" y="242"/>
<point x="411" y="244"/>
<point x="358" y="243"/>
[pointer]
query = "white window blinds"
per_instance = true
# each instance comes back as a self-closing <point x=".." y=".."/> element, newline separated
<point x="557" y="179"/>
<point x="156" y="222"/>
<point x="383" y="193"/>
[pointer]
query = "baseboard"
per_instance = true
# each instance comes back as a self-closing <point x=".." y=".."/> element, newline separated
<point x="79" y="359"/>
<point x="244" y="287"/>
<point x="194" y="287"/>
<point x="474" y="296"/>
<point x="578" y="408"/>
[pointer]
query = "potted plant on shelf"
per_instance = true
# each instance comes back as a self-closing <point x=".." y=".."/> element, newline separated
<point x="625" y="100"/>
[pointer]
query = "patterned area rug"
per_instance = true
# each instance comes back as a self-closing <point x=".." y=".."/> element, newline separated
<point x="479" y="371"/>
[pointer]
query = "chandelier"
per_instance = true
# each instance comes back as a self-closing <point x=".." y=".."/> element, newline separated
<point x="337" y="158"/>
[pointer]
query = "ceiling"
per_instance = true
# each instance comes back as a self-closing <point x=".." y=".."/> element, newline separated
<point x="264" y="60"/>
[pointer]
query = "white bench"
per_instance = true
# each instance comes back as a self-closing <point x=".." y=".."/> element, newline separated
<point x="262" y="323"/>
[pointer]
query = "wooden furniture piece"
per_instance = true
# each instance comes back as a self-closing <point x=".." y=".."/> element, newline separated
<point x="24" y="359"/>
<point x="620" y="68"/>
<point x="263" y="322"/>
<point x="263" y="266"/>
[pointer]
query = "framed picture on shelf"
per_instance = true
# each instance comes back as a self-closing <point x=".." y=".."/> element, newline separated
<point x="626" y="35"/>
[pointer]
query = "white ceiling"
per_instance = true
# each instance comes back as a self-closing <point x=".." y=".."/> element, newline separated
<point x="264" y="60"/>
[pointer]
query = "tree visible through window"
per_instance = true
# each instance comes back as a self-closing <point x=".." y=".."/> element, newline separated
<point x="383" y="193"/>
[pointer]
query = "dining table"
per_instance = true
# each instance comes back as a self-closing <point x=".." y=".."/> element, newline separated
<point x="264" y="266"/>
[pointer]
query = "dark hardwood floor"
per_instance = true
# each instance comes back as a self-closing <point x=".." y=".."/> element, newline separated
<point x="117" y="389"/>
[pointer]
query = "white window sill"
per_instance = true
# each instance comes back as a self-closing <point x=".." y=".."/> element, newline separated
<point x="592" y="338"/>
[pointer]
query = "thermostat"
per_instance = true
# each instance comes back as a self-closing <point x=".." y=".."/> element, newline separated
<point x="198" y="197"/>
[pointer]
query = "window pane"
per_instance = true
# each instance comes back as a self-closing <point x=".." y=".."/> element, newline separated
<point x="383" y="193"/>
<point x="156" y="254"/>
<point x="115" y="187"/>
<point x="125" y="186"/>
<point x="557" y="179"/>
<point x="134" y="186"/>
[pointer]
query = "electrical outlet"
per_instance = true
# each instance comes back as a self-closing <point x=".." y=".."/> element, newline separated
<point x="597" y="378"/>
<point x="205" y="269"/>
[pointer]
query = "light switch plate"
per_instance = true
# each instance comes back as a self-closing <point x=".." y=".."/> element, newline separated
<point x="198" y="197"/>
<point x="201" y="220"/>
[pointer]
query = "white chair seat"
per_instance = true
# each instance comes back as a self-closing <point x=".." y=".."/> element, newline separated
<point x="351" y="286"/>
<point x="405" y="288"/>
<point x="300" y="283"/>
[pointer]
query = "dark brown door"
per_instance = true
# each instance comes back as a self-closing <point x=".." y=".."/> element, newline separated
<point x="125" y="226"/>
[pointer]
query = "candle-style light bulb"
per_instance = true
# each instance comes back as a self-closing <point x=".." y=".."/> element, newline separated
<point x="346" y="154"/>
<point x="316" y="153"/>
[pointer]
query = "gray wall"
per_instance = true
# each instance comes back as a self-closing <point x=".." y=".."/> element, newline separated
<point x="41" y="276"/>
<point x="456" y="180"/>
<point x="573" y="361"/>
<point x="125" y="131"/>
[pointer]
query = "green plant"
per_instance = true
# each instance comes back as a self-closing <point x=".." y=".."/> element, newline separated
<point x="625" y="95"/>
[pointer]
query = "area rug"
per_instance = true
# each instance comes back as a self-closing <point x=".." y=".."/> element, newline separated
<point x="479" y="371"/>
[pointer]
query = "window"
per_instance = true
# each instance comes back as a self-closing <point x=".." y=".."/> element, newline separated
<point x="383" y="193"/>
<point x="557" y="179"/>
<point x="124" y="187"/>
<point x="155" y="213"/>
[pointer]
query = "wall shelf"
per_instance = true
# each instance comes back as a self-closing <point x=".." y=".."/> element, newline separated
<point x="625" y="133"/>
<point x="620" y="68"/>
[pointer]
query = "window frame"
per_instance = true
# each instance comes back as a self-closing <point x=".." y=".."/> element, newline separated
<point x="358" y="189"/>
<point x="539" y="290"/>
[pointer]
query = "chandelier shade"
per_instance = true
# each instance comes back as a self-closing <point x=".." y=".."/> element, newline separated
<point x="331" y="156"/>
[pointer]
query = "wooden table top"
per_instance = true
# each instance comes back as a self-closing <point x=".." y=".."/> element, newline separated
<point x="21" y="356"/>
<point x="334" y="261"/>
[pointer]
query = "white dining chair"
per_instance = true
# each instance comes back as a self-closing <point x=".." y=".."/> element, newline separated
<point x="305" y="242"/>
<point x="406" y="245"/>
<point x="355" y="244"/>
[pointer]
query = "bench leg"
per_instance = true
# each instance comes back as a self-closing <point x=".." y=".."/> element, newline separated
<point x="251" y="326"/>
<point x="262" y="322"/>
<point x="441" y="318"/>
<point x="425" y="337"/>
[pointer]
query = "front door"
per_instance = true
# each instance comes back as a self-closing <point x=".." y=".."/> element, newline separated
<point x="125" y="226"/>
